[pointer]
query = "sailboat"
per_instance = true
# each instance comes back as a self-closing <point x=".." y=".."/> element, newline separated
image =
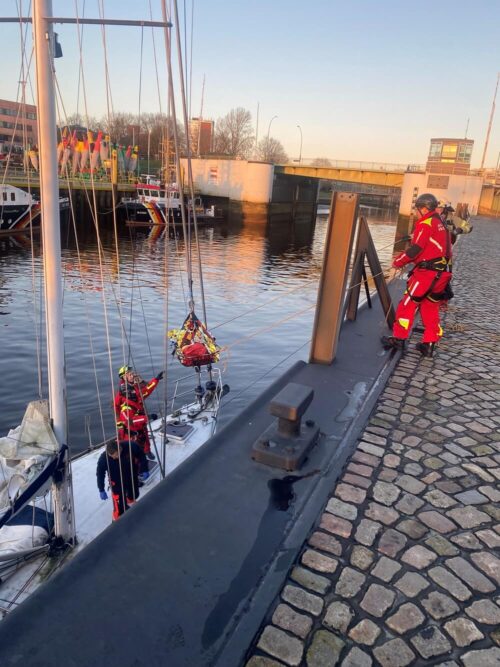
<point x="49" y="505"/>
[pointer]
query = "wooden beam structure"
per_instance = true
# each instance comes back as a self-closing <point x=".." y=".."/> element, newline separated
<point x="333" y="281"/>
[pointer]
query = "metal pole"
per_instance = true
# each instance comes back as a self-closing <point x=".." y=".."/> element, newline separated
<point x="268" y="131"/>
<point x="490" y="123"/>
<point x="149" y="145"/>
<point x="51" y="235"/>
<point x="300" y="152"/>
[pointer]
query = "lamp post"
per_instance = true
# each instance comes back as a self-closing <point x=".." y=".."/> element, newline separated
<point x="300" y="152"/>
<point x="149" y="145"/>
<point x="268" y="131"/>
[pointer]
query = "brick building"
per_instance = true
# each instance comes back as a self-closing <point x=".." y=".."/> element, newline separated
<point x="18" y="125"/>
<point x="201" y="133"/>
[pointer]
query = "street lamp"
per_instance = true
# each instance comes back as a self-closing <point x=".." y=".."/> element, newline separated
<point x="269" y="130"/>
<point x="300" y="152"/>
<point x="149" y="146"/>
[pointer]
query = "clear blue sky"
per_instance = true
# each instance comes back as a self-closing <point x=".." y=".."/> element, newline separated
<point x="365" y="80"/>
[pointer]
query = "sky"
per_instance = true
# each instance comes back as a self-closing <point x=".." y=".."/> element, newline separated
<point x="363" y="79"/>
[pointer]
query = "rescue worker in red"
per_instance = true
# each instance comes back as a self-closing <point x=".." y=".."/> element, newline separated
<point x="125" y="463"/>
<point x="130" y="411"/>
<point x="428" y="281"/>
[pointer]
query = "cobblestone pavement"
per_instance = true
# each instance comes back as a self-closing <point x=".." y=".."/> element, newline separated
<point x="403" y="565"/>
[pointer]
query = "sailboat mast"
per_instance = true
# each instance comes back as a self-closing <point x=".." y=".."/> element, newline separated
<point x="490" y="123"/>
<point x="51" y="238"/>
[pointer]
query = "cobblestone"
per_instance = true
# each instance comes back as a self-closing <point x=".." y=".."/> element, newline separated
<point x="342" y="509"/>
<point x="411" y="584"/>
<point x="367" y="531"/>
<point x="395" y="653"/>
<point x="349" y="583"/>
<point x="489" y="657"/>
<point x="325" y="542"/>
<point x="316" y="561"/>
<point x="418" y="557"/>
<point x="391" y="542"/>
<point x="449" y="583"/>
<point x="407" y="617"/>
<point x="312" y="581"/>
<point x="288" y="619"/>
<point x="385" y="569"/>
<point x="280" y="645"/>
<point x="357" y="658"/>
<point x="361" y="557"/>
<point x="377" y="600"/>
<point x="325" y="649"/>
<point x="484" y="611"/>
<point x="403" y="567"/>
<point x="338" y="616"/>
<point x="470" y="575"/>
<point x="439" y="605"/>
<point x="431" y="642"/>
<point x="463" y="631"/>
<point x="365" y="632"/>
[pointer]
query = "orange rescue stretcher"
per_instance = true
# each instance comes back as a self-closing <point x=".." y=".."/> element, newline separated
<point x="193" y="343"/>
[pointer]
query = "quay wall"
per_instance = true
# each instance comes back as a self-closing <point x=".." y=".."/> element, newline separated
<point x="238" y="180"/>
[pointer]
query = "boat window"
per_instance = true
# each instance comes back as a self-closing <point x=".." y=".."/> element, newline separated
<point x="12" y="196"/>
<point x="162" y="194"/>
<point x="4" y="194"/>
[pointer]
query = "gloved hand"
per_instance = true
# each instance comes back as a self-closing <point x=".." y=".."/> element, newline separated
<point x="399" y="261"/>
<point x="153" y="416"/>
<point x="143" y="476"/>
<point x="104" y="495"/>
<point x="160" y="375"/>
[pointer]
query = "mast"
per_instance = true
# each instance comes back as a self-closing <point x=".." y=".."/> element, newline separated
<point x="51" y="238"/>
<point x="490" y="123"/>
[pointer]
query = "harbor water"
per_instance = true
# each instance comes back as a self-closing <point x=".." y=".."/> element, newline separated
<point x="122" y="294"/>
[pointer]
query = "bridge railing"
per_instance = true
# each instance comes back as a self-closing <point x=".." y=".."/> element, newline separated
<point x="356" y="164"/>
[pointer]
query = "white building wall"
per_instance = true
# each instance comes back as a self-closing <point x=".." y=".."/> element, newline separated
<point x="464" y="189"/>
<point x="239" y="180"/>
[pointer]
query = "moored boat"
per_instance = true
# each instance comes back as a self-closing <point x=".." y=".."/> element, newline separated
<point x="19" y="209"/>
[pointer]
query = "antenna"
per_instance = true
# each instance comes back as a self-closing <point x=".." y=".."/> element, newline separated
<point x="490" y="123"/>
<point x="466" y="128"/>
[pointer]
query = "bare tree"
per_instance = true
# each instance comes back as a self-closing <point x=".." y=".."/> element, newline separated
<point x="321" y="162"/>
<point x="234" y="134"/>
<point x="271" y="150"/>
<point x="79" y="120"/>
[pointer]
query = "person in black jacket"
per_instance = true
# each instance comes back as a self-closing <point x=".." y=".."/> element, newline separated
<point x="125" y="463"/>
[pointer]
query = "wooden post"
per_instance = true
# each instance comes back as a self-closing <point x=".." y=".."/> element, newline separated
<point x="333" y="281"/>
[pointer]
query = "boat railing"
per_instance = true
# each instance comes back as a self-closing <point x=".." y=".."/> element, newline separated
<point x="183" y="390"/>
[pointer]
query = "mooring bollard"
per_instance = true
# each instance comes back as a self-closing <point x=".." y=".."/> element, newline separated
<point x="286" y="443"/>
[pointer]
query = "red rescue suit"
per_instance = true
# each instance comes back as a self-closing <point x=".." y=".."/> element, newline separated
<point x="430" y="251"/>
<point x="130" y="412"/>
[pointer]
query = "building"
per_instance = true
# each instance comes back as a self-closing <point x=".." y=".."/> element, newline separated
<point x="18" y="125"/>
<point x="449" y="156"/>
<point x="201" y="133"/>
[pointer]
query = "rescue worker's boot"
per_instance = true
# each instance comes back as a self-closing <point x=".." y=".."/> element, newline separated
<point x="426" y="349"/>
<point x="392" y="343"/>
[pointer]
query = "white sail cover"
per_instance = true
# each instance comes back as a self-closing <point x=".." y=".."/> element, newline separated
<point x="24" y="452"/>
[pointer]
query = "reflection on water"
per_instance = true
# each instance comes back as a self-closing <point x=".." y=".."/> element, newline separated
<point x="260" y="282"/>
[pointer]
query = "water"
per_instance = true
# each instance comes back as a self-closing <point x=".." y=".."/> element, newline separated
<point x="260" y="284"/>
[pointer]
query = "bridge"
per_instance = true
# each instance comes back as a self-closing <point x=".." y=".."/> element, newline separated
<point x="390" y="176"/>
